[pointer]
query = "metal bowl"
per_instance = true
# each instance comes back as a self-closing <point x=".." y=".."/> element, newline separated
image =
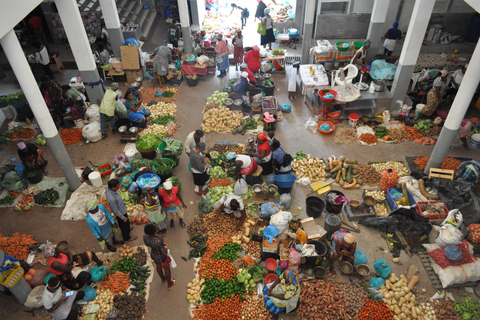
<point x="133" y="130"/>
<point x="228" y="101"/>
<point x="267" y="75"/>
<point x="319" y="272"/>
<point x="136" y="84"/>
<point x="346" y="267"/>
<point x="139" y="79"/>
<point x="272" y="189"/>
<point x="257" y="188"/>
<point x="363" y="270"/>
<point x="251" y="139"/>
<point x="120" y="172"/>
<point x="354" y="204"/>
<point x="369" y="201"/>
<point x="63" y="245"/>
<point x="122" y="129"/>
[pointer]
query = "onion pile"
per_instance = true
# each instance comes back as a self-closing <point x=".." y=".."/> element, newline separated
<point x="104" y="299"/>
<point x="161" y="109"/>
<point x="254" y="308"/>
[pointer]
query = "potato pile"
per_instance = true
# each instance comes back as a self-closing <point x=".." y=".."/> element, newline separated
<point x="321" y="299"/>
<point x="313" y="168"/>
<point x="194" y="289"/>
<point x="355" y="295"/>
<point x="221" y="119"/>
<point x="125" y="251"/>
<point x="224" y="227"/>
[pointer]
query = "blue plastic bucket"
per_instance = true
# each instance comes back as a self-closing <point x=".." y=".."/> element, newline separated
<point x="285" y="180"/>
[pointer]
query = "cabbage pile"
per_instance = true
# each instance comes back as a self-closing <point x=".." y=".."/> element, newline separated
<point x="217" y="172"/>
<point x="217" y="193"/>
<point x="217" y="97"/>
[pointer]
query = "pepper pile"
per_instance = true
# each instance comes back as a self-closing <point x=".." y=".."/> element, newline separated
<point x="71" y="136"/>
<point x="375" y="311"/>
<point x="368" y="138"/>
<point x="23" y="134"/>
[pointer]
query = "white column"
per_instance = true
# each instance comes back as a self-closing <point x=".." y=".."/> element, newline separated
<point x="112" y="22"/>
<point x="377" y="26"/>
<point x="24" y="75"/>
<point x="77" y="37"/>
<point x="185" y="24"/>
<point x="308" y="30"/>
<point x="464" y="96"/>
<point x="411" y="48"/>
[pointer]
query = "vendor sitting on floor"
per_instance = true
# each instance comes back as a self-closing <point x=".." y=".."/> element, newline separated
<point x="231" y="204"/>
<point x="244" y="68"/>
<point x="244" y="165"/>
<point x="241" y="88"/>
<point x="281" y="161"/>
<point x="31" y="156"/>
<point x="263" y="154"/>
<point x="57" y="304"/>
<point x="136" y="112"/>
<point x="345" y="247"/>
<point x="61" y="263"/>
<point x="283" y="294"/>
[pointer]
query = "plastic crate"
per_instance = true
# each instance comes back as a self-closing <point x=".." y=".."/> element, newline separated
<point x="176" y="82"/>
<point x="392" y="203"/>
<point x="105" y="166"/>
<point x="10" y="278"/>
<point x="431" y="216"/>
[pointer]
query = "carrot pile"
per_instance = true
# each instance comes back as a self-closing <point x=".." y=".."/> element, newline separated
<point x="23" y="134"/>
<point x="71" y="136"/>
<point x="448" y="163"/>
<point x="16" y="245"/>
<point x="224" y="182"/>
<point x="368" y="138"/>
<point x="221" y="309"/>
<point x="116" y="282"/>
<point x="412" y="133"/>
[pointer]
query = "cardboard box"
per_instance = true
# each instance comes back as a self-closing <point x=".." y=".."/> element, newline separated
<point x="313" y="230"/>
<point x="270" y="247"/>
<point x="132" y="75"/>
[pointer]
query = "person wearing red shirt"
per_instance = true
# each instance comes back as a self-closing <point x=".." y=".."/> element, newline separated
<point x="252" y="59"/>
<point x="170" y="199"/>
<point x="35" y="23"/>
<point x="263" y="156"/>
<point x="244" y="67"/>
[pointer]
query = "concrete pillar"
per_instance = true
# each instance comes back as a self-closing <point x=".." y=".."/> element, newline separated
<point x="299" y="16"/>
<point x="197" y="9"/>
<point x="112" y="22"/>
<point x="25" y="78"/>
<point x="308" y="29"/>
<point x="77" y="37"/>
<point x="411" y="48"/>
<point x="457" y="112"/>
<point x="376" y="28"/>
<point x="185" y="24"/>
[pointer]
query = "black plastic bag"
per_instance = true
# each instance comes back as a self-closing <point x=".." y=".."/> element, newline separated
<point x="405" y="220"/>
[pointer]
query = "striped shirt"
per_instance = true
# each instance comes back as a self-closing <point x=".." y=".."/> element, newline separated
<point x="439" y="83"/>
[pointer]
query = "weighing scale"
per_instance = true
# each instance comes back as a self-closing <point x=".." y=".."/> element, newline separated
<point x="250" y="147"/>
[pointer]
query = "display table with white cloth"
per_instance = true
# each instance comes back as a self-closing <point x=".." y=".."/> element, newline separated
<point x="312" y="82"/>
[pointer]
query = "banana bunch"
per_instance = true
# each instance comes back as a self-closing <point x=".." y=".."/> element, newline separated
<point x="469" y="310"/>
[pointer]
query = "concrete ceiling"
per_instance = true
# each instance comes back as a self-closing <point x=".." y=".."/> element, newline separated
<point x="14" y="12"/>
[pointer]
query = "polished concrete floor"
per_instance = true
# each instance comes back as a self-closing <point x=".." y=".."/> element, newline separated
<point x="45" y="224"/>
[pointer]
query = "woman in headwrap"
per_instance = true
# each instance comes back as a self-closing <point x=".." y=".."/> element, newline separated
<point x="241" y="88"/>
<point x="269" y="37"/>
<point x="57" y="304"/>
<point x="360" y="57"/>
<point x="262" y="5"/>
<point x="102" y="224"/>
<point x="263" y="154"/>
<point x="252" y="59"/>
<point x="163" y="57"/>
<point x="61" y="263"/>
<point x="434" y="96"/>
<point x="153" y="209"/>
<point x="238" y="49"/>
<point x="136" y="113"/>
<point x="243" y="164"/>
<point x="283" y="294"/>
<point x="172" y="203"/>
<point x="31" y="156"/>
<point x="391" y="37"/>
<point x="222" y="50"/>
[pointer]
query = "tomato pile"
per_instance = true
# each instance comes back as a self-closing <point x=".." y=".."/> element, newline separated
<point x="23" y="134"/>
<point x="71" y="136"/>
<point x="375" y="311"/>
<point x="221" y="309"/>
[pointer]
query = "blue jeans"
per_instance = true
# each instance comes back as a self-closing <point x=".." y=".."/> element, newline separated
<point x="103" y="121"/>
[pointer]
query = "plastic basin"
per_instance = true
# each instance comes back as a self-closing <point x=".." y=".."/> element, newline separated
<point x="285" y="180"/>
<point x="271" y="264"/>
<point x="141" y="181"/>
<point x="161" y="146"/>
<point x="324" y="92"/>
<point x="331" y="124"/>
<point x="358" y="44"/>
<point x="341" y="48"/>
<point x="270" y="278"/>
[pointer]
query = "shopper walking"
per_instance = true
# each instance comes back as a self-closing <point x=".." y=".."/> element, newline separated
<point x="107" y="108"/>
<point x="153" y="209"/>
<point x="119" y="209"/>
<point x="391" y="37"/>
<point x="199" y="167"/>
<point x="194" y="138"/>
<point x="42" y="57"/>
<point x="102" y="224"/>
<point x="171" y="200"/>
<point x="238" y="49"/>
<point x="222" y="56"/>
<point x="173" y="33"/>
<point x="269" y="37"/>
<point x="53" y="94"/>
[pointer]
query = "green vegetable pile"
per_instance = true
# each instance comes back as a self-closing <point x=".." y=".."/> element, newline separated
<point x="228" y="251"/>
<point x="249" y="194"/>
<point x="245" y="277"/>
<point x="198" y="246"/>
<point x="268" y="83"/>
<point x="381" y="131"/>
<point x="469" y="310"/>
<point x="13" y="98"/>
<point x="138" y="276"/>
<point x="47" y="197"/>
<point x="216" y="172"/>
<point x="41" y="140"/>
<point x="218" y="192"/>
<point x="168" y="94"/>
<point x="218" y="160"/>
<point x="205" y="206"/>
<point x="163" y="120"/>
<point x="257" y="273"/>
<point x="251" y="123"/>
<point x="228" y="87"/>
<point x="174" y="147"/>
<point x="126" y="265"/>
<point x="218" y="288"/>
<point x="8" y="200"/>
<point x="300" y="155"/>
<point x="424" y="125"/>
<point x="156" y="164"/>
<point x="278" y="51"/>
<point x="147" y="142"/>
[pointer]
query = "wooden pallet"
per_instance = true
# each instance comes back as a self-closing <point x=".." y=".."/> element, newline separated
<point x="437" y="284"/>
<point x="441" y="173"/>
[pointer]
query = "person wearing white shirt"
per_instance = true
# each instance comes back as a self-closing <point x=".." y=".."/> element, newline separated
<point x="42" y="57"/>
<point x="457" y="77"/>
<point x="193" y="139"/>
<point x="60" y="304"/>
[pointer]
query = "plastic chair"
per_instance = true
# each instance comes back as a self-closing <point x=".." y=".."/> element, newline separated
<point x="105" y="74"/>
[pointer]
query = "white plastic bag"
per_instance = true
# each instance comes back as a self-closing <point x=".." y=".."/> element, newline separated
<point x="448" y="234"/>
<point x="454" y="218"/>
<point x="34" y="299"/>
<point x="365" y="129"/>
<point x="241" y="187"/>
<point x="280" y="220"/>
<point x="173" y="264"/>
<point x="93" y="113"/>
<point x="92" y="132"/>
<point x="311" y="125"/>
